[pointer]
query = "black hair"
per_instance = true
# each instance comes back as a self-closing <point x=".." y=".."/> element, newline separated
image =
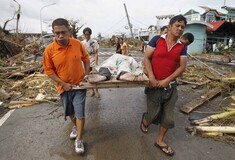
<point x="163" y="28"/>
<point x="121" y="38"/>
<point x="178" y="18"/>
<point x="87" y="29"/>
<point x="189" y="37"/>
<point x="60" y="22"/>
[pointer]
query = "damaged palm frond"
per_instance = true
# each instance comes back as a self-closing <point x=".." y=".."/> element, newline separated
<point x="215" y="117"/>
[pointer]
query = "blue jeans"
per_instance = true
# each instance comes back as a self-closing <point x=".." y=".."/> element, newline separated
<point x="74" y="103"/>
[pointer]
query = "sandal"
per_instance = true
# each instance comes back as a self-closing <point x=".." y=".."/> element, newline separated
<point x="143" y="125"/>
<point x="165" y="149"/>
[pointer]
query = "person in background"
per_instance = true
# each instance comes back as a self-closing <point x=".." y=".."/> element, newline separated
<point x="162" y="71"/>
<point x="63" y="62"/>
<point x="118" y="46"/>
<point x="187" y="38"/>
<point x="163" y="30"/>
<point x="142" y="45"/>
<point x="92" y="47"/>
<point x="124" y="47"/>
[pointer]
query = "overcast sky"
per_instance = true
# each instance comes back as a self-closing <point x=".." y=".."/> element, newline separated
<point x="103" y="16"/>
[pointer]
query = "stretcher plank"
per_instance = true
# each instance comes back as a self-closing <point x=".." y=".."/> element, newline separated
<point x="189" y="107"/>
<point x="112" y="84"/>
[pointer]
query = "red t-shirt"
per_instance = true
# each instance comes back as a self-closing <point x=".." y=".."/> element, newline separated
<point x="165" y="62"/>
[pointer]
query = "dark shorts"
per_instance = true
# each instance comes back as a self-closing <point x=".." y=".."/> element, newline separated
<point x="160" y="106"/>
<point x="74" y="103"/>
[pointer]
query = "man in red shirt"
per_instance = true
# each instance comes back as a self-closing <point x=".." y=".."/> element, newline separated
<point x="165" y="60"/>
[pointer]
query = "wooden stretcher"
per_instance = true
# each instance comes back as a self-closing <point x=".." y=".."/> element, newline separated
<point x="113" y="83"/>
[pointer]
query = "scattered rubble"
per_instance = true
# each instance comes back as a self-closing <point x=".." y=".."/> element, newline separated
<point x="133" y="44"/>
<point x="217" y="80"/>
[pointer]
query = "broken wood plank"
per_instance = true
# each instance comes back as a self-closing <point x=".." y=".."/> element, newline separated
<point x="112" y="84"/>
<point x="194" y="83"/>
<point x="20" y="104"/>
<point x="8" y="41"/>
<point x="5" y="69"/>
<point x="189" y="107"/>
<point x="220" y="62"/>
<point x="213" y="78"/>
<point x="27" y="70"/>
<point x="4" y="94"/>
<point x="16" y="75"/>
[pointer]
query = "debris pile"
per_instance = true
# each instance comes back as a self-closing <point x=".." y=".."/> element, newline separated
<point x="217" y="81"/>
<point x="21" y="82"/>
<point x="199" y="74"/>
<point x="33" y="88"/>
<point x="219" y="126"/>
<point x="10" y="44"/>
<point x="226" y="57"/>
<point x="133" y="44"/>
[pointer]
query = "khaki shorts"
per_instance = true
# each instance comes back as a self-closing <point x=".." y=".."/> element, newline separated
<point x="160" y="106"/>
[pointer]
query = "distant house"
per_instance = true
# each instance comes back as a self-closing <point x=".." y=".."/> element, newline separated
<point x="222" y="33"/>
<point x="230" y="16"/>
<point x="198" y="29"/>
<point x="220" y="18"/>
<point x="203" y="13"/>
<point x="208" y="25"/>
<point x="145" y="34"/>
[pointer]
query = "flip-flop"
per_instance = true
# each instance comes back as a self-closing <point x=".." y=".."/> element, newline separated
<point x="165" y="147"/>
<point x="142" y="124"/>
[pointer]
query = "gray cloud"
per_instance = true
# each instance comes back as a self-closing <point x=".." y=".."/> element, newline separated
<point x="100" y="15"/>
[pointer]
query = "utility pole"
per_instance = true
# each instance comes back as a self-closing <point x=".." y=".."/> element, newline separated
<point x="224" y="2"/>
<point x="129" y="23"/>
<point x="41" y="15"/>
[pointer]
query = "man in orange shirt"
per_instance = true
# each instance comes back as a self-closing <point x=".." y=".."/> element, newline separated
<point x="63" y="62"/>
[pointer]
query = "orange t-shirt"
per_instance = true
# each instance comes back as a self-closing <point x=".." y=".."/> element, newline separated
<point x="66" y="63"/>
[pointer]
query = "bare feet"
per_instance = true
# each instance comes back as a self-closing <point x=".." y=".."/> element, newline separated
<point x="97" y="94"/>
<point x="127" y="77"/>
<point x="93" y="78"/>
<point x="91" y="93"/>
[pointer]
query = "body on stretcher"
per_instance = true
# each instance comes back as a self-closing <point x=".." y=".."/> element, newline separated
<point x="118" y="71"/>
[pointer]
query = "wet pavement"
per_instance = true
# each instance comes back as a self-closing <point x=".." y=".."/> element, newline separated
<point x="111" y="132"/>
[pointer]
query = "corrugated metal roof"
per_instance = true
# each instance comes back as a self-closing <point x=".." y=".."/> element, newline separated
<point x="215" y="25"/>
